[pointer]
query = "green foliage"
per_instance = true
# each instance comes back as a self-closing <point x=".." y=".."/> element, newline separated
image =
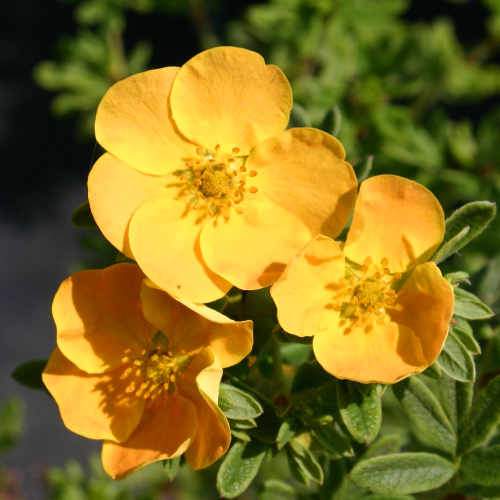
<point x="401" y="473"/>
<point x="455" y="359"/>
<point x="239" y="468"/>
<point x="238" y="404"/>
<point x="303" y="463"/>
<point x="11" y="423"/>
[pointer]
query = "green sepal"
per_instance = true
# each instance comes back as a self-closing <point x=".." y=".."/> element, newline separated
<point x="29" y="374"/>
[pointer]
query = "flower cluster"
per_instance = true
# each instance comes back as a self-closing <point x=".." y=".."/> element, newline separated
<point x="204" y="188"/>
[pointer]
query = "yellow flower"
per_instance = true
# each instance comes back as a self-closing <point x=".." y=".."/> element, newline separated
<point x="377" y="310"/>
<point x="202" y="185"/>
<point x="139" y="370"/>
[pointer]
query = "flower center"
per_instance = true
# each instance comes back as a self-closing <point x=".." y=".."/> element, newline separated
<point x="364" y="294"/>
<point x="213" y="182"/>
<point x="156" y="371"/>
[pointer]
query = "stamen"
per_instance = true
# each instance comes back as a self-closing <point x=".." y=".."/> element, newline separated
<point x="363" y="296"/>
<point x="212" y="183"/>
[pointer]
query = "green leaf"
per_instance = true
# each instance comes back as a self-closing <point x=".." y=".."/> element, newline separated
<point x="287" y="430"/>
<point x="243" y="424"/>
<point x="29" y="374"/>
<point x="465" y="334"/>
<point x="82" y="216"/>
<point x="483" y="419"/>
<point x="333" y="441"/>
<point x="458" y="277"/>
<point x="238" y="404"/>
<point x="463" y="225"/>
<point x="332" y="121"/>
<point x="360" y="407"/>
<point x="171" y="468"/>
<point x="303" y="464"/>
<point x="402" y="473"/>
<point x="239" y="468"/>
<point x="275" y="489"/>
<point x="11" y="423"/>
<point x="482" y="466"/>
<point x="456" y="361"/>
<point x="468" y="306"/>
<point x="391" y="443"/>
<point x="299" y="117"/>
<point x="426" y="416"/>
<point x="364" y="170"/>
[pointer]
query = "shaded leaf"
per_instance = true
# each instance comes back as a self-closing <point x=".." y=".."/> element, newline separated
<point x="360" y="407"/>
<point x="482" y="466"/>
<point x="303" y="464"/>
<point x="238" y="404"/>
<point x="239" y="468"/>
<point x="468" y="306"/>
<point x="29" y="374"/>
<point x="456" y="361"/>
<point x="82" y="216"/>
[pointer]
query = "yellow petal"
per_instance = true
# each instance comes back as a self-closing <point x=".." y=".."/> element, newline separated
<point x="228" y="96"/>
<point x="396" y="219"/>
<point x="303" y="170"/>
<point x="94" y="406"/>
<point x="115" y="192"/>
<point x="251" y="249"/>
<point x="134" y="123"/>
<point x="213" y="434"/>
<point x="98" y="317"/>
<point x="386" y="354"/>
<point x="301" y="293"/>
<point x="426" y="302"/>
<point x="165" y="243"/>
<point x="165" y="431"/>
<point x="190" y="326"/>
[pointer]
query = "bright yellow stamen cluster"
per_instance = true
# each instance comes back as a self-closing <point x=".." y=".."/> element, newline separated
<point x="154" y="372"/>
<point x="213" y="182"/>
<point x="364" y="295"/>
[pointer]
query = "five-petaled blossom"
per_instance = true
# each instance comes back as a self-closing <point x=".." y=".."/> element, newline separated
<point x="377" y="309"/>
<point x="202" y="185"/>
<point x="139" y="370"/>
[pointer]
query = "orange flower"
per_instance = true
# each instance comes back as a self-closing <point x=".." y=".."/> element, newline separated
<point x="377" y="310"/>
<point x="137" y="369"/>
<point x="202" y="185"/>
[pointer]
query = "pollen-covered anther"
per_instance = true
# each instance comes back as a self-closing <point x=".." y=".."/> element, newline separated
<point x="364" y="295"/>
<point x="154" y="372"/>
<point x="213" y="182"/>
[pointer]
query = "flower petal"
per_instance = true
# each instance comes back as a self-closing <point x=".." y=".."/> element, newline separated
<point x="134" y="123"/>
<point x="98" y="317"/>
<point x="115" y="192"/>
<point x="191" y="326"/>
<point x="213" y="434"/>
<point x="251" y="249"/>
<point x="165" y="243"/>
<point x="386" y="354"/>
<point x="426" y="301"/>
<point x="228" y="96"/>
<point x="94" y="406"/>
<point x="303" y="170"/>
<point x="301" y="293"/>
<point x="396" y="219"/>
<point x="165" y="431"/>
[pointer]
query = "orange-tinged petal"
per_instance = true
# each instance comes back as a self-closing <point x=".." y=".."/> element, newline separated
<point x="115" y="191"/>
<point x="228" y="96"/>
<point x="134" y="123"/>
<point x="386" y="354"/>
<point x="426" y="302"/>
<point x="396" y="219"/>
<point x="165" y="431"/>
<point x="191" y="326"/>
<point x="98" y="317"/>
<point x="213" y="434"/>
<point x="251" y="249"/>
<point x="165" y="243"/>
<point x="94" y="406"/>
<point x="303" y="170"/>
<point x="301" y="293"/>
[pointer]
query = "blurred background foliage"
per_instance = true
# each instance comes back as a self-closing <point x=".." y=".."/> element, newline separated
<point x="410" y="87"/>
